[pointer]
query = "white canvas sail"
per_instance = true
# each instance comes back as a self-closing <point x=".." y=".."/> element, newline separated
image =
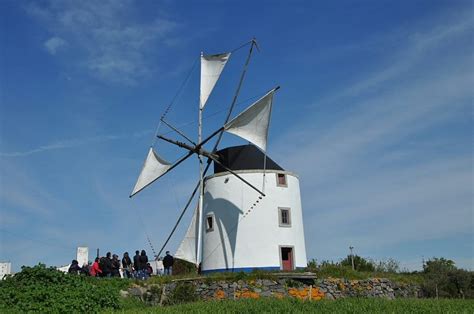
<point x="252" y="124"/>
<point x="211" y="69"/>
<point x="187" y="250"/>
<point x="153" y="168"/>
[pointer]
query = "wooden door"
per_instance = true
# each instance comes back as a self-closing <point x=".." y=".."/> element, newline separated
<point x="287" y="258"/>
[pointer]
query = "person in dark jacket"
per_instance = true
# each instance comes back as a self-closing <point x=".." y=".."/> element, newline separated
<point x="127" y="265"/>
<point x="74" y="268"/>
<point x="143" y="261"/>
<point x="115" y="266"/>
<point x="149" y="269"/>
<point x="105" y="264"/>
<point x="136" y="263"/>
<point x="168" y="262"/>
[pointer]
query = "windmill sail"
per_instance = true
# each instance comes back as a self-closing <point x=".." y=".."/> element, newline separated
<point x="187" y="250"/>
<point x="153" y="168"/>
<point x="211" y="69"/>
<point x="252" y="124"/>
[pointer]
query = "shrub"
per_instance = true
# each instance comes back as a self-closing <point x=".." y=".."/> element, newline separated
<point x="182" y="267"/>
<point x="360" y="263"/>
<point x="388" y="266"/>
<point x="443" y="279"/>
<point x="182" y="293"/>
<point x="40" y="289"/>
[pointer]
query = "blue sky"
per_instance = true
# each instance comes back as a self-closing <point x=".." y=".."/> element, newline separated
<point x="375" y="114"/>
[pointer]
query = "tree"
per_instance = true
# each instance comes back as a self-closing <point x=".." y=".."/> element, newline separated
<point x="443" y="279"/>
<point x="360" y="263"/>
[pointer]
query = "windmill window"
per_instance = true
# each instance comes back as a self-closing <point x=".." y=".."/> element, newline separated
<point x="281" y="180"/>
<point x="209" y="223"/>
<point x="284" y="217"/>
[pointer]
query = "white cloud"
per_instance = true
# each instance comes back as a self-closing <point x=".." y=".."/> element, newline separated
<point x="109" y="40"/>
<point x="381" y="172"/>
<point x="75" y="143"/>
<point x="53" y="44"/>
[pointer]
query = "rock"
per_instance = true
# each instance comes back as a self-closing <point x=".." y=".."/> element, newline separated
<point x="124" y="294"/>
<point x="329" y="296"/>
<point x="266" y="293"/>
<point x="136" y="291"/>
<point x="267" y="282"/>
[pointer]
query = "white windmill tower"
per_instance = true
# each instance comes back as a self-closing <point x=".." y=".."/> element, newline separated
<point x="249" y="212"/>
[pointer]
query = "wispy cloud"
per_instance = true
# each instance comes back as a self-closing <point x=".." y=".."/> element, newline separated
<point x="381" y="172"/>
<point x="75" y="143"/>
<point x="106" y="37"/>
<point x="54" y="44"/>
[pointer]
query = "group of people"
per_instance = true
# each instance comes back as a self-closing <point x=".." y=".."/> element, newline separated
<point x="111" y="266"/>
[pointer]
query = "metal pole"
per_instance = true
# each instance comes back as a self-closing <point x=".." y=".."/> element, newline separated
<point x="352" y="257"/>
<point x="201" y="188"/>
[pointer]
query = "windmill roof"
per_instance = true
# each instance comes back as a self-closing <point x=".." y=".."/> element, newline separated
<point x="244" y="157"/>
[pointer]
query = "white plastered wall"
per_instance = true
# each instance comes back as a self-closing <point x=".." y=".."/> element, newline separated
<point x="243" y="237"/>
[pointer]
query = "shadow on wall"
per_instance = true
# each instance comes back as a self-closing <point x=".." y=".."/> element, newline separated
<point x="226" y="216"/>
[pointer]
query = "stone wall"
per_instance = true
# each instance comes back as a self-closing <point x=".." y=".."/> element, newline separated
<point x="277" y="288"/>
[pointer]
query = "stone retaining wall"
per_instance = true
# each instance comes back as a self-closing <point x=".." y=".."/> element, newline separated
<point x="279" y="288"/>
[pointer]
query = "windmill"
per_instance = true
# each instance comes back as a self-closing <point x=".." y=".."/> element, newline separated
<point x="236" y="225"/>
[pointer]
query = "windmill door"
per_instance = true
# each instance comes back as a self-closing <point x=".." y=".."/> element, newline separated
<point x="287" y="258"/>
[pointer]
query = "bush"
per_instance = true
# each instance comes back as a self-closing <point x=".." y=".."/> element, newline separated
<point x="182" y="293"/>
<point x="182" y="267"/>
<point x="360" y="263"/>
<point x="443" y="279"/>
<point x="388" y="266"/>
<point x="41" y="289"/>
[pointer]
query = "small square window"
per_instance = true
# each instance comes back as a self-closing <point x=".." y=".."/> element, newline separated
<point x="209" y="223"/>
<point x="285" y="217"/>
<point x="281" y="180"/>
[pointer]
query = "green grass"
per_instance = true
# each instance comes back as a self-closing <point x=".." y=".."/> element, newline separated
<point x="321" y="273"/>
<point x="294" y="306"/>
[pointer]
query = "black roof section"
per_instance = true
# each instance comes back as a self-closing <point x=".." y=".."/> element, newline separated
<point x="244" y="157"/>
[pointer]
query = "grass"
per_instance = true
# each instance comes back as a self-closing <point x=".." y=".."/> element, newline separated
<point x="352" y="305"/>
<point x="348" y="273"/>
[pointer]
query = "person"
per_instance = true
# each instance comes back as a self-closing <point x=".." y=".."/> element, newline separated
<point x="105" y="264"/>
<point x="95" y="270"/>
<point x="136" y="263"/>
<point x="85" y="269"/>
<point x="168" y="262"/>
<point x="149" y="269"/>
<point x="74" y="268"/>
<point x="127" y="265"/>
<point x="115" y="269"/>
<point x="143" y="261"/>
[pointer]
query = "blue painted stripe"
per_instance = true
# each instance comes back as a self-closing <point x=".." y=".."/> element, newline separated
<point x="240" y="269"/>
<point x="245" y="269"/>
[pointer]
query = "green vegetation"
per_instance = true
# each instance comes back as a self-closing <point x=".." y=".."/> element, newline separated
<point x="183" y="293"/>
<point x="443" y="279"/>
<point x="295" y="306"/>
<point x="41" y="289"/>
<point x="367" y="269"/>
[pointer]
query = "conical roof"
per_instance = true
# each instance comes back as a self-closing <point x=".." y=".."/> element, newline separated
<point x="244" y="157"/>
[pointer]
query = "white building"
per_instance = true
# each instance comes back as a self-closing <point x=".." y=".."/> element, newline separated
<point x="5" y="269"/>
<point x="242" y="231"/>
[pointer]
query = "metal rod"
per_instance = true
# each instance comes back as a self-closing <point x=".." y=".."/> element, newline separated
<point x="220" y="131"/>
<point x="235" y="174"/>
<point x="169" y="169"/>
<point x="179" y="219"/>
<point x="236" y="95"/>
<point x="194" y="149"/>
<point x="177" y="131"/>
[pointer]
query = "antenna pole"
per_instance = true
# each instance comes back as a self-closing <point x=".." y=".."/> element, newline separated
<point x="201" y="187"/>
